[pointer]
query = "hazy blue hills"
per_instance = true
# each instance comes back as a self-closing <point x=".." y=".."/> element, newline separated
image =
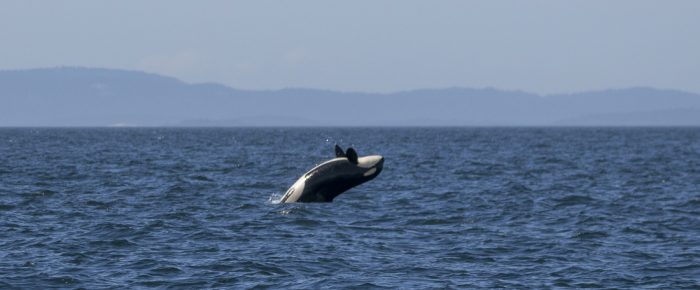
<point x="106" y="97"/>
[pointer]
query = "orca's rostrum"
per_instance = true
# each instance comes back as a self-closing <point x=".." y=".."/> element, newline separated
<point x="333" y="177"/>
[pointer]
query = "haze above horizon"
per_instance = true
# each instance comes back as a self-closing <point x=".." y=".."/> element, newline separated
<point x="544" y="47"/>
<point x="108" y="97"/>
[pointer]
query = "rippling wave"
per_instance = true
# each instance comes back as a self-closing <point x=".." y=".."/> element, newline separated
<point x="453" y="208"/>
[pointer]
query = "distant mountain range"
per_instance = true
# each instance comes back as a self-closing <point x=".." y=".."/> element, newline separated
<point x="106" y="97"/>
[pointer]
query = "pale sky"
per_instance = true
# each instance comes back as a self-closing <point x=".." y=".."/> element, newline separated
<point x="374" y="46"/>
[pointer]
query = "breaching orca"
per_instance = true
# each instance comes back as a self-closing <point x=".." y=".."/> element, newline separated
<point x="333" y="177"/>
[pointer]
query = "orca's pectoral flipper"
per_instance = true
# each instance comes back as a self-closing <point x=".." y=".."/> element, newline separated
<point x="352" y="155"/>
<point x="339" y="151"/>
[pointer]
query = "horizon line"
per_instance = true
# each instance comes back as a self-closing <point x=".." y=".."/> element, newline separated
<point x="660" y="126"/>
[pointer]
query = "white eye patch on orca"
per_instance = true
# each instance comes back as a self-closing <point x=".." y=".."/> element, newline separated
<point x="370" y="172"/>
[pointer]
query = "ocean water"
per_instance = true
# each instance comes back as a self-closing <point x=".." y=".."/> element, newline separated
<point x="453" y="208"/>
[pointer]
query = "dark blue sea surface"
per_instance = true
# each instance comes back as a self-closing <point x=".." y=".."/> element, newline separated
<point x="453" y="208"/>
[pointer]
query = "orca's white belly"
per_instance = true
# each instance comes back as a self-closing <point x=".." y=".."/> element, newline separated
<point x="295" y="191"/>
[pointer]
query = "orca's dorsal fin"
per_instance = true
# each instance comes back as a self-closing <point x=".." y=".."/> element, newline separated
<point x="352" y="155"/>
<point x="339" y="151"/>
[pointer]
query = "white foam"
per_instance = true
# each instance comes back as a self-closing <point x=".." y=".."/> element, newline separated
<point x="275" y="198"/>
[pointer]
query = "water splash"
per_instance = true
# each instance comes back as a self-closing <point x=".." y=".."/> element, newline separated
<point x="275" y="198"/>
